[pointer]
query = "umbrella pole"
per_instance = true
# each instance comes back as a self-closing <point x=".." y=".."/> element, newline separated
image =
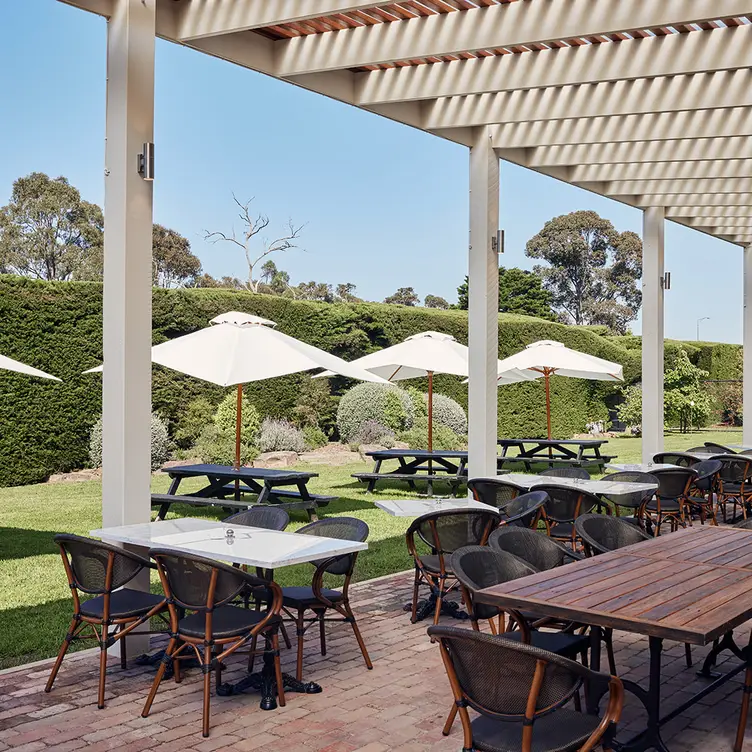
<point x="548" y="405"/>
<point x="430" y="412"/>
<point x="238" y="423"/>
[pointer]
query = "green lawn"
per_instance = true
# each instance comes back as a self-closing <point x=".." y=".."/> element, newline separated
<point x="34" y="597"/>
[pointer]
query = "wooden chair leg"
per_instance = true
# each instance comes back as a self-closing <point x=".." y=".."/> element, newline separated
<point x="416" y="588"/>
<point x="102" y="667"/>
<point x="450" y="720"/>
<point x="322" y="632"/>
<point x="61" y="654"/>
<point x="359" y="637"/>
<point x="123" y="654"/>
<point x="608" y="638"/>
<point x="439" y="602"/>
<point x="160" y="674"/>
<point x="207" y="690"/>
<point x="278" y="671"/>
<point x="285" y="636"/>
<point x="301" y="632"/>
<point x="744" y="712"/>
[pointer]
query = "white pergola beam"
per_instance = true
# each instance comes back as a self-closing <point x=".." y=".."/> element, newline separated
<point x="716" y="187"/>
<point x="702" y="91"/>
<point x="740" y="223"/>
<point x="490" y="27"/>
<point x="721" y="123"/>
<point x="671" y="55"/>
<point x="100" y="7"/>
<point x="747" y="341"/>
<point x="703" y="200"/>
<point x="708" y="214"/>
<point x="198" y="19"/>
<point x="720" y="168"/>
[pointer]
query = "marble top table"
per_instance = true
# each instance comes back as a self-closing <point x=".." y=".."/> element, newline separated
<point x="419" y="507"/>
<point x="647" y="467"/>
<point x="256" y="547"/>
<point x="597" y="487"/>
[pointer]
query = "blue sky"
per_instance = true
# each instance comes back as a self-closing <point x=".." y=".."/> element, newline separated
<point x="385" y="205"/>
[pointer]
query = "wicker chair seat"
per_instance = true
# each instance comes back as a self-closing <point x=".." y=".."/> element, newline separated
<point x="124" y="603"/>
<point x="561" y="643"/>
<point x="562" y="530"/>
<point x="431" y="562"/>
<point x="227" y="621"/>
<point x="731" y="487"/>
<point x="667" y="505"/>
<point x="563" y="731"/>
<point x="303" y="596"/>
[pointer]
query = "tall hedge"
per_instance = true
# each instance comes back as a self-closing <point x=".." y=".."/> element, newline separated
<point x="56" y="326"/>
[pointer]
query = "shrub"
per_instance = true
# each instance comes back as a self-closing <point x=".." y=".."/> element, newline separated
<point x="386" y="404"/>
<point x="443" y="438"/>
<point x="728" y="402"/>
<point x="198" y="414"/>
<point x="315" y="405"/>
<point x="372" y="432"/>
<point x="160" y="443"/>
<point x="448" y="413"/>
<point x="280" y="436"/>
<point x="226" y="417"/>
<point x="419" y="400"/>
<point x="216" y="446"/>
<point x="314" y="437"/>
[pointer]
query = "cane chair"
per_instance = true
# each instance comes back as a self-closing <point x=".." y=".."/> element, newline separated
<point x="703" y="488"/>
<point x="680" y="459"/>
<point x="718" y="448"/>
<point x="522" y="695"/>
<point x="670" y="499"/>
<point x="103" y="571"/>
<point x="527" y="510"/>
<point x="701" y="449"/>
<point x="266" y="517"/>
<point x="495" y="492"/>
<point x="565" y="504"/>
<point x="579" y="473"/>
<point x="634" y="500"/>
<point x="319" y="599"/>
<point x="215" y="629"/>
<point x="734" y="483"/>
<point x="444" y="532"/>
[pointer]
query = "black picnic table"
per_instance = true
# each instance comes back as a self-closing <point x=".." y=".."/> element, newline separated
<point x="574" y="452"/>
<point x="418" y="464"/>
<point x="225" y="485"/>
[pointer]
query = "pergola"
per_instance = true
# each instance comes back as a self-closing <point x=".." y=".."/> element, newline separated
<point x="648" y="102"/>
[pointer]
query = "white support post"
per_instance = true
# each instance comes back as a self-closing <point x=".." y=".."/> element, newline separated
<point x="126" y="395"/>
<point x="652" y="332"/>
<point x="747" y="343"/>
<point x="483" y="313"/>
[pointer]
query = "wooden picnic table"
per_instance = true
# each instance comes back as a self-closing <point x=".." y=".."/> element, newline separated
<point x="270" y="487"/>
<point x="418" y="464"/>
<point x="693" y="586"/>
<point x="573" y="452"/>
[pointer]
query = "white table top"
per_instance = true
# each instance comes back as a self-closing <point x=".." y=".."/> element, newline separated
<point x="740" y="447"/>
<point x="254" y="546"/>
<point x="418" y="507"/>
<point x="598" y="487"/>
<point x="638" y="468"/>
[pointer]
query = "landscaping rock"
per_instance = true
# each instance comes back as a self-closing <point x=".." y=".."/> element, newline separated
<point x="401" y="445"/>
<point x="363" y="448"/>
<point x="276" y="459"/>
<point x="180" y="463"/>
<point x="333" y="454"/>
<point x="76" y="476"/>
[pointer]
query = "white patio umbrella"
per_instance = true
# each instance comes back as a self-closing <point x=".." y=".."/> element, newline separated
<point x="546" y="358"/>
<point x="422" y="355"/>
<point x="8" y="364"/>
<point x="238" y="348"/>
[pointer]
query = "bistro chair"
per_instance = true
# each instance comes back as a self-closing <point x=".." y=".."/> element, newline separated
<point x="444" y="532"/>
<point x="670" y="500"/>
<point x="565" y="504"/>
<point x="538" y="550"/>
<point x="527" y="510"/>
<point x="680" y="459"/>
<point x="266" y="517"/>
<point x="319" y="599"/>
<point x="567" y="472"/>
<point x="702" y="489"/>
<point x="634" y="500"/>
<point x="103" y="571"/>
<point x="600" y="533"/>
<point x="701" y="449"/>
<point x="522" y="694"/>
<point x="495" y="492"/>
<point x="734" y="483"/>
<point x="718" y="448"/>
<point x="214" y="630"/>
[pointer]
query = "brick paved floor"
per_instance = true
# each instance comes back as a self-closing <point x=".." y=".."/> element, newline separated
<point x="399" y="706"/>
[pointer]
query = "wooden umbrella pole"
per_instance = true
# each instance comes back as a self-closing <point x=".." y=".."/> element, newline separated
<point x="547" y="376"/>
<point x="430" y="412"/>
<point x="238" y="423"/>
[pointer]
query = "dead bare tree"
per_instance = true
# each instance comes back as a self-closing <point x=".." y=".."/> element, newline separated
<point x="256" y="251"/>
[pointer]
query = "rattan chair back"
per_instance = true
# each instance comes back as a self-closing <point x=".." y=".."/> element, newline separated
<point x="680" y="459"/>
<point x="567" y="472"/>
<point x="633" y="500"/>
<point x="494" y="492"/>
<point x="719" y="448"/>
<point x="707" y="473"/>
<point x="524" y="510"/>
<point x="673" y="483"/>
<point x="98" y="568"/>
<point x="342" y="528"/>
<point x="266" y="517"/>
<point x="601" y="533"/>
<point x="735" y="468"/>
<point x="537" y="549"/>
<point x="449" y="530"/>
<point x="565" y="504"/>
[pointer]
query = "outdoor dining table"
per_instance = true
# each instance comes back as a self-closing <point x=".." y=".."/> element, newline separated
<point x="572" y="452"/>
<point x="693" y="586"/>
<point x="603" y="487"/>
<point x="419" y="507"/>
<point x="250" y="546"/>
<point x="638" y="467"/>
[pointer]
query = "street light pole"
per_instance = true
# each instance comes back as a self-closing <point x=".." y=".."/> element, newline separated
<point x="704" y="318"/>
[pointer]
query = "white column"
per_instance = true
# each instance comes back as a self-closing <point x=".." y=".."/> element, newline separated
<point x="483" y="313"/>
<point x="747" y="342"/>
<point x="126" y="394"/>
<point x="652" y="332"/>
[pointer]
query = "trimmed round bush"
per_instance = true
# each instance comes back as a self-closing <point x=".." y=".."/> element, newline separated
<point x="448" y="413"/>
<point x="372" y="432"/>
<point x="226" y="417"/>
<point x="217" y="447"/>
<point x="314" y="437"/>
<point x="280" y="436"/>
<point x="420" y="401"/>
<point x="443" y="438"/>
<point x="160" y="443"/>
<point x="384" y="403"/>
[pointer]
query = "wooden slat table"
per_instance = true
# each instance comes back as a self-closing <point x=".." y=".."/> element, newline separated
<point x="693" y="586"/>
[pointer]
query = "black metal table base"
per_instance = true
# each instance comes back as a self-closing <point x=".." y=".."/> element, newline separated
<point x="154" y="659"/>
<point x="426" y="608"/>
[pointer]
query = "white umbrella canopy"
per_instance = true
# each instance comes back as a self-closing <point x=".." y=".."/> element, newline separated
<point x="547" y="358"/>
<point x="8" y="364"/>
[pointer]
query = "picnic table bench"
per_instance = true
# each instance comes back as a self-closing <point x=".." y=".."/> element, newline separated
<point x="226" y="485"/>
<point x="554" y="452"/>
<point x="418" y="465"/>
